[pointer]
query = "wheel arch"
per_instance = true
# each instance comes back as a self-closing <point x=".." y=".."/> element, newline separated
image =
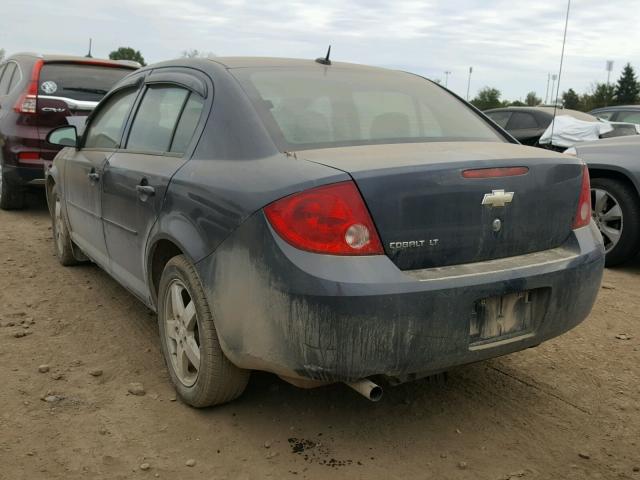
<point x="172" y="235"/>
<point x="614" y="174"/>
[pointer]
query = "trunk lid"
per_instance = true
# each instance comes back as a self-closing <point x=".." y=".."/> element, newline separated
<point x="428" y="215"/>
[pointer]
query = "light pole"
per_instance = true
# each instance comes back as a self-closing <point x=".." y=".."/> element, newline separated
<point x="554" y="77"/>
<point x="546" y="95"/>
<point x="446" y="78"/>
<point x="609" y="69"/>
<point x="469" y="82"/>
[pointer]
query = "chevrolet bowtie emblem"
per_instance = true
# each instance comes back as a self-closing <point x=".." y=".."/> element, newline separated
<point x="497" y="198"/>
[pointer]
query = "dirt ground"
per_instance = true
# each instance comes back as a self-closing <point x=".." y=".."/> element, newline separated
<point x="569" y="409"/>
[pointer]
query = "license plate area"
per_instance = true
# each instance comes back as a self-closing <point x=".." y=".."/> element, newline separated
<point x="506" y="316"/>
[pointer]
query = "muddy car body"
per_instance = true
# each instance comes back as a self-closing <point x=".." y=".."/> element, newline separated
<point x="454" y="243"/>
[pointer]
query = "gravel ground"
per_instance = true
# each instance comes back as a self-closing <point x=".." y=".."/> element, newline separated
<point x="74" y="344"/>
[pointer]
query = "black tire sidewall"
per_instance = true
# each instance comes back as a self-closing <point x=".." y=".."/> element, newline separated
<point x="218" y="379"/>
<point x="66" y="256"/>
<point x="629" y="242"/>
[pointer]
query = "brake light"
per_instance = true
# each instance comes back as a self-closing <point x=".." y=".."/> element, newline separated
<point x="27" y="102"/>
<point x="495" y="172"/>
<point x="583" y="214"/>
<point x="331" y="219"/>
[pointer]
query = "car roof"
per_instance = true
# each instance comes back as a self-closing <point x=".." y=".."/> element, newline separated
<point x="549" y="111"/>
<point x="53" y="58"/>
<point x="616" y="108"/>
<point x="267" y="62"/>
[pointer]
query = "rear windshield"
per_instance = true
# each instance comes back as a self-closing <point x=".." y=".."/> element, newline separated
<point x="78" y="81"/>
<point x="329" y="107"/>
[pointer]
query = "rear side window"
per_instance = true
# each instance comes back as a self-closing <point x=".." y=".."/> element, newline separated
<point x="187" y="124"/>
<point x="501" y="118"/>
<point x="156" y="119"/>
<point x="315" y="107"/>
<point x="78" y="81"/>
<point x="521" y="121"/>
<point x="105" y="130"/>
<point x="15" y="78"/>
<point x="6" y="78"/>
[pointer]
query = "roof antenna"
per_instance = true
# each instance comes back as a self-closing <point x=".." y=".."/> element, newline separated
<point x="88" y="55"/>
<point x="557" y="93"/>
<point x="325" y="60"/>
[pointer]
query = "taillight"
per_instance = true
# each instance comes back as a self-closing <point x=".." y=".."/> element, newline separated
<point x="27" y="102"/>
<point x="29" y="157"/>
<point x="583" y="215"/>
<point x="331" y="219"/>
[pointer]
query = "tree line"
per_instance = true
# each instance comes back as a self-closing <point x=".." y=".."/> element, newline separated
<point x="626" y="91"/>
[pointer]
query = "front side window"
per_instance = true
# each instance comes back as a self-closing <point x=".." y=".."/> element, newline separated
<point x="629" y="116"/>
<point x="105" y="130"/>
<point x="156" y="120"/>
<point x="604" y="115"/>
<point x="309" y="107"/>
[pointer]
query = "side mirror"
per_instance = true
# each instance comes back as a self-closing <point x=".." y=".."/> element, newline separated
<point x="66" y="136"/>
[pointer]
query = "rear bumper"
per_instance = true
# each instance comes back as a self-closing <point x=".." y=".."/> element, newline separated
<point x="24" y="176"/>
<point x="328" y="318"/>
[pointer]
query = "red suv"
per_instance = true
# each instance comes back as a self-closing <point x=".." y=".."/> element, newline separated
<point x="37" y="94"/>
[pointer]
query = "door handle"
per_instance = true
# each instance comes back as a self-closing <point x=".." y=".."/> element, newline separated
<point x="145" y="191"/>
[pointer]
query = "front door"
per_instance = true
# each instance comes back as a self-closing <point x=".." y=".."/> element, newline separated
<point x="136" y="178"/>
<point x="83" y="173"/>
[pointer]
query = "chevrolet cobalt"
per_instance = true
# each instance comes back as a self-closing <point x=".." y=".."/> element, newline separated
<point x="323" y="221"/>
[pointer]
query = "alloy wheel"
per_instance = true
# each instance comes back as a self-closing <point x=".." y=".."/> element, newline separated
<point x="59" y="227"/>
<point x="182" y="333"/>
<point x="607" y="214"/>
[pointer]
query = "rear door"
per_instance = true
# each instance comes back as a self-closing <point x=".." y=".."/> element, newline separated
<point x="136" y="177"/>
<point x="84" y="169"/>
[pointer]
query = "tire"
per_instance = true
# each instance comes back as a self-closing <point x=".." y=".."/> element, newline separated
<point x="62" y="244"/>
<point x="186" y="325"/>
<point x="620" y="228"/>
<point x="12" y="197"/>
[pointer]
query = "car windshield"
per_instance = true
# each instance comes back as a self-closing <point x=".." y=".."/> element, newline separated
<point x="312" y="107"/>
<point x="79" y="81"/>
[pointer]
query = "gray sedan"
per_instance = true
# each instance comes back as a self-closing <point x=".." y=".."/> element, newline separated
<point x="615" y="186"/>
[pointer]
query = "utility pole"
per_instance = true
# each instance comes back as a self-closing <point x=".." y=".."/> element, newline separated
<point x="88" y="55"/>
<point x="554" y="77"/>
<point x="469" y="82"/>
<point x="546" y="95"/>
<point x="446" y="78"/>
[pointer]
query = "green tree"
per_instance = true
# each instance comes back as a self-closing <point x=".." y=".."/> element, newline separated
<point x="532" y="99"/>
<point x="571" y="100"/>
<point x="601" y="95"/>
<point x="627" y="90"/>
<point x="487" y="98"/>
<point x="515" y="103"/>
<point x="194" y="53"/>
<point x="127" y="53"/>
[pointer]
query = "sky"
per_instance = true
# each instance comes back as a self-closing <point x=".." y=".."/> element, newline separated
<point x="512" y="45"/>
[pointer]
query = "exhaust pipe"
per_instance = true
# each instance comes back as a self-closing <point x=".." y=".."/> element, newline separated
<point x="367" y="389"/>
